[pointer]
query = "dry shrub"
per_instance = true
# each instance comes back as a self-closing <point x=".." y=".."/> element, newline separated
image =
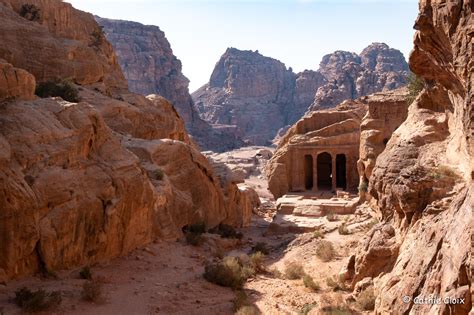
<point x="331" y="217"/>
<point x="261" y="247"/>
<point x="92" y="291"/>
<point x="294" y="270"/>
<point x="256" y="262"/>
<point x="366" y="299"/>
<point x="443" y="172"/>
<point x="336" y="284"/>
<point x="37" y="301"/>
<point x="342" y="229"/>
<point x="307" y="308"/>
<point x="334" y="305"/>
<point x="227" y="273"/>
<point x="276" y="273"/>
<point x="248" y="310"/>
<point x="325" y="251"/>
<point x="193" y="233"/>
<point x="310" y="284"/>
<point x="318" y="234"/>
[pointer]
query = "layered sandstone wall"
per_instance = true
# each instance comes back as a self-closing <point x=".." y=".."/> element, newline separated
<point x="386" y="112"/>
<point x="88" y="181"/>
<point x="422" y="182"/>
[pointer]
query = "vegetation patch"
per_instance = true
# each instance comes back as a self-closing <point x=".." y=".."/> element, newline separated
<point x="243" y="306"/>
<point x="318" y="234"/>
<point x="58" y="88"/>
<point x="157" y="174"/>
<point x="443" y="172"/>
<point x="86" y="273"/>
<point x="307" y="308"/>
<point x="97" y="37"/>
<point x="331" y="217"/>
<point x="415" y="86"/>
<point x="294" y="270"/>
<point x="227" y="273"/>
<point x="325" y="251"/>
<point x="366" y="299"/>
<point x="261" y="247"/>
<point x="30" y="12"/>
<point x="343" y="230"/>
<point x="226" y="231"/>
<point x="193" y="233"/>
<point x="310" y="283"/>
<point x="37" y="301"/>
<point x="336" y="284"/>
<point x="363" y="186"/>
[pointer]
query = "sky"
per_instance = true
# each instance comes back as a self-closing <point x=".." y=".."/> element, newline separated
<point x="296" y="32"/>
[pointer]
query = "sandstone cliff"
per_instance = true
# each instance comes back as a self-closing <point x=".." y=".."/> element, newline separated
<point x="82" y="182"/>
<point x="150" y="67"/>
<point x="422" y="182"/>
<point x="260" y="95"/>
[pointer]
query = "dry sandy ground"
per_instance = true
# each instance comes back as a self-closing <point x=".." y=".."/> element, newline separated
<point x="166" y="278"/>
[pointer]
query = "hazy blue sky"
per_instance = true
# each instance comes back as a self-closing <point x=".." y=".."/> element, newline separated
<point x="297" y="32"/>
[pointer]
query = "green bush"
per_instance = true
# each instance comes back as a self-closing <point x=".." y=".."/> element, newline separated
<point x="226" y="231"/>
<point x="157" y="174"/>
<point x="415" y="86"/>
<point x="30" y="12"/>
<point x="86" y="273"/>
<point x="62" y="88"/>
<point x="318" y="234"/>
<point x="325" y="251"/>
<point x="194" y="239"/>
<point x="37" y="301"/>
<point x="363" y="186"/>
<point x="310" y="284"/>
<point x="261" y="247"/>
<point x="294" y="270"/>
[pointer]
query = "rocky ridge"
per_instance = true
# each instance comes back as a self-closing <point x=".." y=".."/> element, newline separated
<point x="260" y="95"/>
<point x="82" y="182"/>
<point x="421" y="184"/>
<point x="150" y="67"/>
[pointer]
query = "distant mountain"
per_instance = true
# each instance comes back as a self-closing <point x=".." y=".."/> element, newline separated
<point x="260" y="95"/>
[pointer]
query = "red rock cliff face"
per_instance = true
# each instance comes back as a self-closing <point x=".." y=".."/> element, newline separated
<point x="422" y="182"/>
<point x="150" y="67"/>
<point x="88" y="181"/>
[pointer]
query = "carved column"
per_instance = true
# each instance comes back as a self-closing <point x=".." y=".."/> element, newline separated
<point x="315" y="171"/>
<point x="333" y="171"/>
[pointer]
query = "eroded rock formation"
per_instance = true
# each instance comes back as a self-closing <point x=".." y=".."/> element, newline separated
<point x="260" y="95"/>
<point x="319" y="152"/>
<point x="150" y="67"/>
<point x="386" y="112"/>
<point x="422" y="182"/>
<point x="88" y="181"/>
<point x="349" y="76"/>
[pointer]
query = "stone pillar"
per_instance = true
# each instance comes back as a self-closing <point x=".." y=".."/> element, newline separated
<point x="315" y="172"/>
<point x="333" y="171"/>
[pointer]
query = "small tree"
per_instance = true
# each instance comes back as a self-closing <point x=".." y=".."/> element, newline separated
<point x="415" y="86"/>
